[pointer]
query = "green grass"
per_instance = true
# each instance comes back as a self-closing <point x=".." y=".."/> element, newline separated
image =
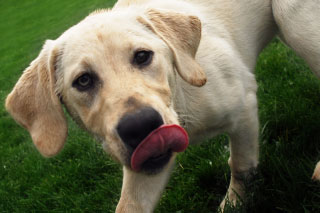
<point x="83" y="178"/>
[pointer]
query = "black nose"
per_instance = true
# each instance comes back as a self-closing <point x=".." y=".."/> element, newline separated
<point x="134" y="127"/>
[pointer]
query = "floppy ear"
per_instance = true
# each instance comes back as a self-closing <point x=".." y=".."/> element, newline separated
<point x="34" y="104"/>
<point x="182" y="33"/>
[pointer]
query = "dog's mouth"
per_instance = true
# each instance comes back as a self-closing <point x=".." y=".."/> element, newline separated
<point x="155" y="151"/>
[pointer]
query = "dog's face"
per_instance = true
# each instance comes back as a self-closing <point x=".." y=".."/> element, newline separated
<point x="115" y="73"/>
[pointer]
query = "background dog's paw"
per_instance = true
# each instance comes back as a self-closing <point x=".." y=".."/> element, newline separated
<point x="316" y="173"/>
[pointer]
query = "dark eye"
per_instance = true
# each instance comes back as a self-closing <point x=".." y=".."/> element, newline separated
<point x="142" y="57"/>
<point x="84" y="82"/>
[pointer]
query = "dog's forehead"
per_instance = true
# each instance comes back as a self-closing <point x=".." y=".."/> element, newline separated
<point x="98" y="32"/>
<point x="106" y="25"/>
<point x="116" y="32"/>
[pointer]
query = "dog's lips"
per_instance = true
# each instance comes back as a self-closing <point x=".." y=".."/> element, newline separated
<point x="166" y="138"/>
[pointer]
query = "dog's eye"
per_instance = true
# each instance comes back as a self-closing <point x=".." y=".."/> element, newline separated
<point x="142" y="57"/>
<point x="84" y="82"/>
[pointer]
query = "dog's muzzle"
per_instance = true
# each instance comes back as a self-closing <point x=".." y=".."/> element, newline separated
<point x="150" y="142"/>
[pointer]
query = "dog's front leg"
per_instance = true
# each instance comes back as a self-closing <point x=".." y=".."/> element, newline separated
<point x="140" y="191"/>
<point x="244" y="152"/>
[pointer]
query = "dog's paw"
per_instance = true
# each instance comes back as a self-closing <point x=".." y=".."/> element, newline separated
<point x="316" y="173"/>
<point x="231" y="200"/>
<point x="223" y="204"/>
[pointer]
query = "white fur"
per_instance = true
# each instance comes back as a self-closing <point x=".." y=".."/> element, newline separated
<point x="233" y="34"/>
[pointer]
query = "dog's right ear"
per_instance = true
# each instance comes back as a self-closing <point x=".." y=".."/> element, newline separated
<point x="34" y="104"/>
<point x="182" y="33"/>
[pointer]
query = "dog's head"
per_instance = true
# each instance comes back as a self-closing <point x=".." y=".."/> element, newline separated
<point x="115" y="74"/>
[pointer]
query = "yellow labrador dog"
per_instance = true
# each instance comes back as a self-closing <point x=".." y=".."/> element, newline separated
<point x="149" y="76"/>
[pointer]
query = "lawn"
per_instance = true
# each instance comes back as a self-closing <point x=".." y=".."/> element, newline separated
<point x="84" y="179"/>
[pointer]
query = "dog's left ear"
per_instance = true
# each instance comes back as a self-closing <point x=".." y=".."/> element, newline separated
<point x="34" y="104"/>
<point x="182" y="33"/>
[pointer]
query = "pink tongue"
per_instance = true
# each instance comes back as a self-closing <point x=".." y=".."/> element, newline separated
<point x="158" y="142"/>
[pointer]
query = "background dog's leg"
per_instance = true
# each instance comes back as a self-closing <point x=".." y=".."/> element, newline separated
<point x="244" y="151"/>
<point x="141" y="192"/>
<point x="299" y="26"/>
